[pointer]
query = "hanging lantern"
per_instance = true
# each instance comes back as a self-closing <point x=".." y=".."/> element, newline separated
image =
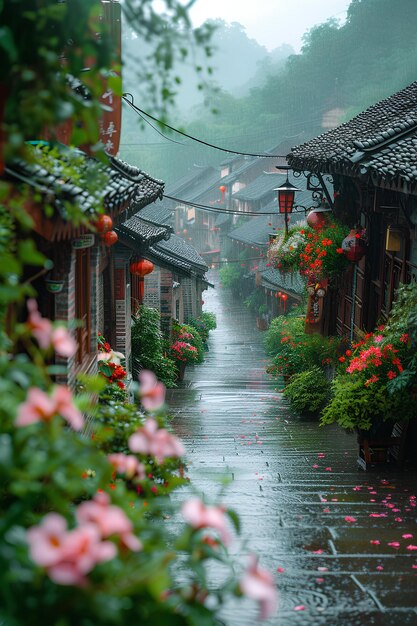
<point x="318" y="217"/>
<point x="353" y="246"/>
<point x="104" y="224"/>
<point x="393" y="239"/>
<point x="223" y="190"/>
<point x="110" y="238"/>
<point x="141" y="268"/>
<point x="286" y="194"/>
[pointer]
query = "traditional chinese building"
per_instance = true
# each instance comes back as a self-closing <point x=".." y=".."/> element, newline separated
<point x="372" y="161"/>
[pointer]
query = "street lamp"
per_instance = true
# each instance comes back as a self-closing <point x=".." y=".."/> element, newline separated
<point x="286" y="193"/>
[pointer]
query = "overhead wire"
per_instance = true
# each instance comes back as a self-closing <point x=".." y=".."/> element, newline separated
<point x="205" y="143"/>
<point x="204" y="207"/>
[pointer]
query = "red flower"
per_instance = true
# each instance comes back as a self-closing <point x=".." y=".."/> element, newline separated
<point x="391" y="375"/>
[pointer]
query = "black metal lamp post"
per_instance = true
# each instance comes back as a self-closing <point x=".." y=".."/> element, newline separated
<point x="286" y="193"/>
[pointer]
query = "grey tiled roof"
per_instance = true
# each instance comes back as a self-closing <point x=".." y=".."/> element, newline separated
<point x="158" y="213"/>
<point x="261" y="187"/>
<point x="230" y="178"/>
<point x="178" y="254"/>
<point x="122" y="183"/>
<point x="291" y="282"/>
<point x="191" y="186"/>
<point x="138" y="232"/>
<point x="381" y="141"/>
<point x="255" y="231"/>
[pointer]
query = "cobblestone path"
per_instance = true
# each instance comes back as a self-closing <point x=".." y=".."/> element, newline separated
<point x="342" y="543"/>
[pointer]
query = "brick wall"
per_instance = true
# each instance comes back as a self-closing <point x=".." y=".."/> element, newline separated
<point x="166" y="300"/>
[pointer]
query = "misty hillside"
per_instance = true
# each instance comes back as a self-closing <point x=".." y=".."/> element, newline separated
<point x="341" y="70"/>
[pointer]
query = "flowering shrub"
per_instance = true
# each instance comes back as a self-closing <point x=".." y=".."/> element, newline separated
<point x="294" y="351"/>
<point x="184" y="351"/>
<point x="187" y="334"/>
<point x="109" y="363"/>
<point x="316" y="253"/>
<point x="361" y="391"/>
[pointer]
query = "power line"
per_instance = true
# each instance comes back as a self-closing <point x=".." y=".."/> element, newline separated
<point x="204" y="207"/>
<point x="205" y="143"/>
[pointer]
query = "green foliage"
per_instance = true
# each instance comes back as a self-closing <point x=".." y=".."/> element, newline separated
<point x="204" y="324"/>
<point x="294" y="351"/>
<point x="355" y="406"/>
<point x="255" y="302"/>
<point x="39" y="86"/>
<point x="231" y="276"/>
<point x="403" y="321"/>
<point x="308" y="391"/>
<point x="148" y="347"/>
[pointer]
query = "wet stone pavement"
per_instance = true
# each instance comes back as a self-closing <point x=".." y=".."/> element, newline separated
<point x="342" y="543"/>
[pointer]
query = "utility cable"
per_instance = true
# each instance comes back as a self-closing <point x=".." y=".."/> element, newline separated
<point x="205" y="143"/>
<point x="204" y="207"/>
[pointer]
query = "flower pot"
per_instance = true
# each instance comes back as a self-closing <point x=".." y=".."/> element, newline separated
<point x="54" y="286"/>
<point x="181" y="370"/>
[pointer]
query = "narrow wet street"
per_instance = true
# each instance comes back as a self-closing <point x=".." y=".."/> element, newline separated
<point x="342" y="544"/>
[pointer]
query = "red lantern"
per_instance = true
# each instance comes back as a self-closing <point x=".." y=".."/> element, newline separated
<point x="110" y="238"/>
<point x="141" y="268"/>
<point x="353" y="246"/>
<point x="222" y="189"/>
<point x="104" y="224"/>
<point x="318" y="217"/>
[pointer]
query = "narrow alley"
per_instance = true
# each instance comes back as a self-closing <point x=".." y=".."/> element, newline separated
<point x="340" y="542"/>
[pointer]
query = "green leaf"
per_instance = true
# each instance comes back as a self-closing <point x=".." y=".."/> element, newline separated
<point x="234" y="518"/>
<point x="28" y="253"/>
<point x="115" y="84"/>
<point x="8" y="44"/>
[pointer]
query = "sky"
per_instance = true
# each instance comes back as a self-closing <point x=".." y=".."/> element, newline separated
<point x="271" y="22"/>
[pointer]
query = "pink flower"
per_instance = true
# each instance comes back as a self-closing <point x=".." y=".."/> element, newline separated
<point x="198" y="515"/>
<point x="152" y="392"/>
<point x="67" y="555"/>
<point x="394" y="544"/>
<point x="109" y="519"/>
<point x="39" y="407"/>
<point x="40" y="326"/>
<point x="411" y="547"/>
<point x="155" y="441"/>
<point x="83" y="550"/>
<point x="46" y="335"/>
<point x="375" y="542"/>
<point x="63" y="342"/>
<point x="127" y="464"/>
<point x="350" y="519"/>
<point x="378" y="338"/>
<point x="47" y="541"/>
<point x="64" y="406"/>
<point x="258" y="585"/>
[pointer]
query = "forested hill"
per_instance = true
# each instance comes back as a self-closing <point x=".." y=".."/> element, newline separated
<point x="341" y="70"/>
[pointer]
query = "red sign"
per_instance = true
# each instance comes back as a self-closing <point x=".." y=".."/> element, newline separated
<point x="110" y="123"/>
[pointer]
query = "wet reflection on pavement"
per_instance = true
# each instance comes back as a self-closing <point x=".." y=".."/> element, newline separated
<point x="342" y="543"/>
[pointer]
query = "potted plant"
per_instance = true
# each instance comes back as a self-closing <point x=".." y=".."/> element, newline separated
<point x="365" y="397"/>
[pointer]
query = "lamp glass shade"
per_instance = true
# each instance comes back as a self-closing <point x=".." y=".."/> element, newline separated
<point x="285" y="200"/>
